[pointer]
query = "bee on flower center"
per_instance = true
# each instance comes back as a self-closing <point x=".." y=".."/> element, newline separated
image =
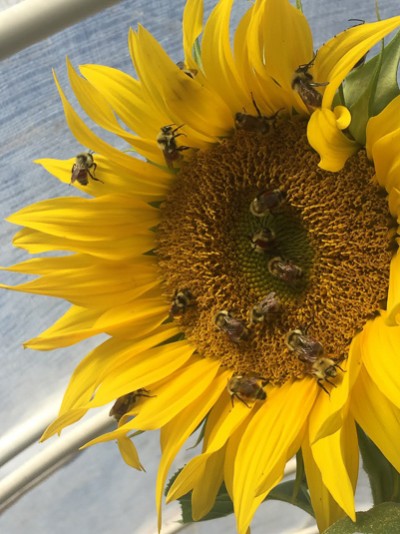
<point x="255" y="123"/>
<point x="181" y="301"/>
<point x="125" y="403"/>
<point x="234" y="328"/>
<point x="246" y="388"/>
<point x="303" y="83"/>
<point x="81" y="169"/>
<point x="166" y="141"/>
<point x="306" y="347"/>
<point x="267" y="202"/>
<point x="285" y="270"/>
<point x="263" y="240"/>
<point x="266" y="310"/>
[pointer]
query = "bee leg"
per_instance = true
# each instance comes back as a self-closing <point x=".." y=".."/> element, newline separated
<point x="255" y="105"/>
<point x="180" y="148"/>
<point x="321" y="385"/>
<point x="242" y="400"/>
<point x="94" y="178"/>
<point x="338" y="366"/>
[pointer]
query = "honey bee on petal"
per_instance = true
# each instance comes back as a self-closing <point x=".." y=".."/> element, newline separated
<point x="285" y="270"/>
<point x="235" y="329"/>
<point x="306" y="347"/>
<point x="266" y="310"/>
<point x="267" y="201"/>
<point x="189" y="72"/>
<point x="246" y="388"/>
<point x="255" y="123"/>
<point x="323" y="369"/>
<point x="125" y="403"/>
<point x="166" y="141"/>
<point x="263" y="241"/>
<point x="303" y="83"/>
<point x="181" y="301"/>
<point x="81" y="169"/>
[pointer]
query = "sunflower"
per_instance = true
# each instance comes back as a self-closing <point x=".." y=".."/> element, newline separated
<point x="243" y="260"/>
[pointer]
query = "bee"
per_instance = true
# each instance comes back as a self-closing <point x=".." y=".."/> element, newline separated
<point x="285" y="270"/>
<point x="125" y="403"/>
<point x="306" y="347"/>
<point x="182" y="299"/>
<point x="324" y="368"/>
<point x="303" y="83"/>
<point x="246" y="388"/>
<point x="235" y="329"/>
<point x="263" y="240"/>
<point x="266" y="202"/>
<point x="81" y="169"/>
<point x="189" y="72"/>
<point x="251" y="123"/>
<point x="166" y="141"/>
<point x="266" y="310"/>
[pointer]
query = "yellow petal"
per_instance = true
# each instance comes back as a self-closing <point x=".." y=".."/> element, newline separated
<point x="387" y="160"/>
<point x="176" y="432"/>
<point x="183" y="388"/>
<point x="102" y="360"/>
<point x="392" y="317"/>
<point x="380" y="347"/>
<point x="287" y="40"/>
<point x="325" y="137"/>
<point x="217" y="59"/>
<point x="264" y="445"/>
<point x="192" y="26"/>
<point x="129" y="453"/>
<point x="63" y="421"/>
<point x="89" y="284"/>
<point x="117" y="250"/>
<point x="128" y="99"/>
<point x="204" y="114"/>
<point x="377" y="416"/>
<point x="206" y="491"/>
<point x="329" y="411"/>
<point x="143" y="180"/>
<point x="84" y="219"/>
<point x="340" y="473"/>
<point x="87" y="138"/>
<point x="326" y="509"/>
<point x="140" y="370"/>
<point x="336" y="58"/>
<point x="386" y="122"/>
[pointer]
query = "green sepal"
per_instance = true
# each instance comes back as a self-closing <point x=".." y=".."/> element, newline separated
<point x="383" y="477"/>
<point x="368" y="89"/>
<point x="197" y="53"/>
<point x="381" y="519"/>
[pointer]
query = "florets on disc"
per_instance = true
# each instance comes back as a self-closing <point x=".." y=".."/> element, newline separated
<point x="257" y="232"/>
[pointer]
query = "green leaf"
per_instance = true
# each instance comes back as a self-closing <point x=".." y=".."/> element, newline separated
<point x="367" y="90"/>
<point x="197" y="52"/>
<point x="288" y="492"/>
<point x="383" y="477"/>
<point x="382" y="519"/>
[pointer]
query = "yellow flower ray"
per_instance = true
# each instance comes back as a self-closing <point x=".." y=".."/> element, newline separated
<point x="206" y="490"/>
<point x="337" y="459"/>
<point x="393" y="301"/>
<point x="386" y="122"/>
<point x="326" y="509"/>
<point x="217" y="60"/>
<point x="87" y="138"/>
<point x="104" y="358"/>
<point x="325" y="136"/>
<point x="118" y="250"/>
<point x="129" y="453"/>
<point x="204" y="114"/>
<point x="336" y="58"/>
<point x="176" y="432"/>
<point x="259" y="452"/>
<point x="125" y="95"/>
<point x="329" y="412"/>
<point x="377" y="416"/>
<point x="192" y="26"/>
<point x="383" y="341"/>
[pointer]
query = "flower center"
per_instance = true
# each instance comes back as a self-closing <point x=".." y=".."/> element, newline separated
<point x="256" y="241"/>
